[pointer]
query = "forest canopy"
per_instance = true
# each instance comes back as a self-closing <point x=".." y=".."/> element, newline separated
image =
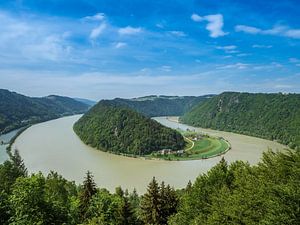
<point x="111" y="127"/>
<point x="269" y="116"/>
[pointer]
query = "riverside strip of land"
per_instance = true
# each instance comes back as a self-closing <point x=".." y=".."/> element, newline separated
<point x="53" y="145"/>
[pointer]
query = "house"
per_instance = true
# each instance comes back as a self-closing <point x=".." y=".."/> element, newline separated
<point x="165" y="151"/>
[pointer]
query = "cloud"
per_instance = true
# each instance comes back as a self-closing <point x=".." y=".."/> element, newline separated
<point x="283" y="31"/>
<point x="166" y="68"/>
<point x="129" y="30"/>
<point x="235" y="66"/>
<point x="294" y="60"/>
<point x="262" y="46"/>
<point x="214" y="25"/>
<point x="120" y="45"/>
<point x="243" y="54"/>
<point x="96" y="17"/>
<point x="177" y="33"/>
<point x="97" y="31"/>
<point x="247" y="29"/>
<point x="196" y="17"/>
<point x="229" y="47"/>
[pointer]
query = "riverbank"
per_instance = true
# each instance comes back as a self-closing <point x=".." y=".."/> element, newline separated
<point x="53" y="145"/>
<point x="14" y="138"/>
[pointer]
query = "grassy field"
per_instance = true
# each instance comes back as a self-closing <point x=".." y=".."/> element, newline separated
<point x="206" y="147"/>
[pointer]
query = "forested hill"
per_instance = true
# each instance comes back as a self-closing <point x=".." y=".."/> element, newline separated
<point x="270" y="116"/>
<point x="111" y="127"/>
<point x="17" y="110"/>
<point x="154" y="105"/>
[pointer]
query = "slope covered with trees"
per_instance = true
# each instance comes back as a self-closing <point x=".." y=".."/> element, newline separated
<point x="18" y="110"/>
<point x="267" y="193"/>
<point x="154" y="105"/>
<point x="111" y="127"/>
<point x="270" y="116"/>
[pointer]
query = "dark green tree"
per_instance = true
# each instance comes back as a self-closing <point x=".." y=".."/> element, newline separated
<point x="150" y="204"/>
<point x="88" y="191"/>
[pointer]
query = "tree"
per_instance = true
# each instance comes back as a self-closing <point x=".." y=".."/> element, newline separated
<point x="27" y="201"/>
<point x="19" y="164"/>
<point x="88" y="191"/>
<point x="150" y="204"/>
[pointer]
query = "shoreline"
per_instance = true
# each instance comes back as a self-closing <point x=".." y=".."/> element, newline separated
<point x="153" y="158"/>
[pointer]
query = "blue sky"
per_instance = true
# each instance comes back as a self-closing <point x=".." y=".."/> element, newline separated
<point x="127" y="48"/>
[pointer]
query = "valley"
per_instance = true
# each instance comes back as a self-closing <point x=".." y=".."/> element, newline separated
<point x="53" y="145"/>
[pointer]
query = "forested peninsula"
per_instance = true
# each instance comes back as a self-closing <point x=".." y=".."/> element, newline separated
<point x="108" y="126"/>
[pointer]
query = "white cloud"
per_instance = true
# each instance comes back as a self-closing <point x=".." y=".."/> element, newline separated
<point x="97" y="31"/>
<point x="284" y="31"/>
<point x="235" y="66"/>
<point x="120" y="45"/>
<point x="294" y="60"/>
<point x="177" y="33"/>
<point x="247" y="29"/>
<point x="166" y="68"/>
<point x="196" y="17"/>
<point x="129" y="30"/>
<point x="214" y="26"/>
<point x="262" y="46"/>
<point x="96" y="17"/>
<point x="51" y="48"/>
<point x="243" y="54"/>
<point x="229" y="47"/>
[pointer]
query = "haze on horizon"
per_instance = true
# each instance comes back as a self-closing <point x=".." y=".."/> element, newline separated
<point x="95" y="49"/>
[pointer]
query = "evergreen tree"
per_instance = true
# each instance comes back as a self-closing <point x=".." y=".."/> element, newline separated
<point x="127" y="213"/>
<point x="88" y="191"/>
<point x="119" y="191"/>
<point x="188" y="187"/>
<point x="150" y="204"/>
<point x="19" y="164"/>
<point x="168" y="203"/>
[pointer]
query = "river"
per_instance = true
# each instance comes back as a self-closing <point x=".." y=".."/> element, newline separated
<point x="54" y="146"/>
<point x="6" y="138"/>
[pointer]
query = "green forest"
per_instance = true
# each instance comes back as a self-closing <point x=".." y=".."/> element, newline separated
<point x="153" y="105"/>
<point x="269" y="116"/>
<point x="237" y="193"/>
<point x="17" y="110"/>
<point x="118" y="129"/>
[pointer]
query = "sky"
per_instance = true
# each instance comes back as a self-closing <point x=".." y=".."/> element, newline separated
<point x="100" y="49"/>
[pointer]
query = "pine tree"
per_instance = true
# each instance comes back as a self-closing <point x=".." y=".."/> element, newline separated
<point x="88" y="190"/>
<point x="188" y="187"/>
<point x="168" y="203"/>
<point x="19" y="164"/>
<point x="150" y="204"/>
<point x="127" y="213"/>
<point x="119" y="191"/>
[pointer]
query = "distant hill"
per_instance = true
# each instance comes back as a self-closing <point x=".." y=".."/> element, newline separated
<point x="17" y="110"/>
<point x="119" y="129"/>
<point x="86" y="101"/>
<point x="162" y="105"/>
<point x="270" y="116"/>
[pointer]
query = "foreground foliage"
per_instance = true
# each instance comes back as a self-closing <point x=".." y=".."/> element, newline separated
<point x="270" y="116"/>
<point x="267" y="193"/>
<point x="118" y="129"/>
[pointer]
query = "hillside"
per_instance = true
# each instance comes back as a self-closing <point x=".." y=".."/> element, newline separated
<point x="86" y="101"/>
<point x="111" y="127"/>
<point x="154" y="105"/>
<point x="17" y="110"/>
<point x="270" y="116"/>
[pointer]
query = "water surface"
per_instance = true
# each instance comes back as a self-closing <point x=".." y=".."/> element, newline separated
<point x="6" y="138"/>
<point x="53" y="145"/>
